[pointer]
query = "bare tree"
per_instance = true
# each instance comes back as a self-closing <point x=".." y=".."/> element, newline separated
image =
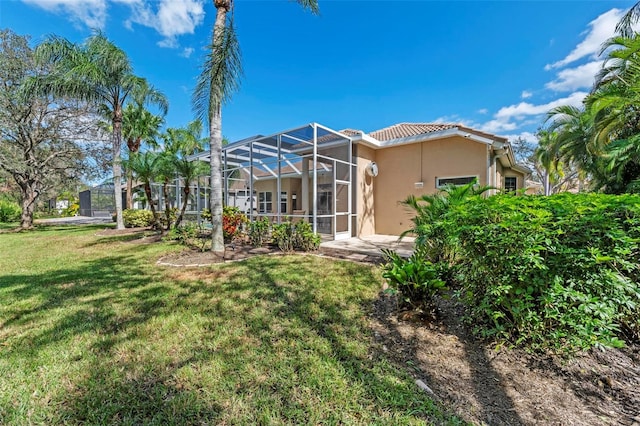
<point x="43" y="143"/>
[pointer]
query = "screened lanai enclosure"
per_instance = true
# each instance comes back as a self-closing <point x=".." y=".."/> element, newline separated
<point x="304" y="173"/>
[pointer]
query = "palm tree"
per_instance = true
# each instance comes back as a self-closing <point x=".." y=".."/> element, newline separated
<point x="217" y="82"/>
<point x="188" y="171"/>
<point x="138" y="125"/>
<point x="625" y="26"/>
<point x="178" y="144"/>
<point x="99" y="72"/>
<point x="430" y="209"/>
<point x="145" y="168"/>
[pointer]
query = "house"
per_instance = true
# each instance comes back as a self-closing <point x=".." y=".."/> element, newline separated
<point x="350" y="183"/>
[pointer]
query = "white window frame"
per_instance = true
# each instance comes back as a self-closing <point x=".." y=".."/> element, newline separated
<point x="284" y="200"/>
<point x="440" y="186"/>
<point x="263" y="202"/>
<point x="504" y="186"/>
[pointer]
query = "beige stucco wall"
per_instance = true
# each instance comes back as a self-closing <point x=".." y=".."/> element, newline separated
<point x="364" y="198"/>
<point x="402" y="166"/>
<point x="288" y="185"/>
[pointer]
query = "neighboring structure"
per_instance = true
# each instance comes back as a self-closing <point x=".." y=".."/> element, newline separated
<point x="350" y="183"/>
<point x="99" y="201"/>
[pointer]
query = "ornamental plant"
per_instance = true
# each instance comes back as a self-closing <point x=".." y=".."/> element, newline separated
<point x="232" y="221"/>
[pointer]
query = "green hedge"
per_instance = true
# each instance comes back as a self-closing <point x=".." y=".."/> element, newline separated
<point x="10" y="211"/>
<point x="137" y="218"/>
<point x="557" y="272"/>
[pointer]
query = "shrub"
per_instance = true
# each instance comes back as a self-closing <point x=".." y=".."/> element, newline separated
<point x="137" y="218"/>
<point x="232" y="221"/>
<point x="288" y="236"/>
<point x="161" y="217"/>
<point x="283" y="236"/>
<point x="415" y="278"/>
<point x="259" y="231"/>
<point x="556" y="272"/>
<point x="72" y="210"/>
<point x="304" y="237"/>
<point x="183" y="233"/>
<point x="10" y="211"/>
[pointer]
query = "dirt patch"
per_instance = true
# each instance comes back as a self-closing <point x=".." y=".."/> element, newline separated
<point x="508" y="387"/>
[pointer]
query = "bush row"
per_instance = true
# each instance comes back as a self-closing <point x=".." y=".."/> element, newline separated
<point x="10" y="211"/>
<point x="557" y="272"/>
<point x="287" y="236"/>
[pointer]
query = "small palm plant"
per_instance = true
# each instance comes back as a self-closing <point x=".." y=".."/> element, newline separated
<point x="430" y="209"/>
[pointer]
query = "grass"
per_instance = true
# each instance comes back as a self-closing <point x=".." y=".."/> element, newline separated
<point x="92" y="332"/>
<point x="7" y="226"/>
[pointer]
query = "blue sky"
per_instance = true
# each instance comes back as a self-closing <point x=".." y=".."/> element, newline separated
<point x="494" y="65"/>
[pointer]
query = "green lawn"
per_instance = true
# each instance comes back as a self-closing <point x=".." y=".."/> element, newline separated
<point x="92" y="332"/>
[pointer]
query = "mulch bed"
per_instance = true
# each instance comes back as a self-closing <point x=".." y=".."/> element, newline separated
<point x="480" y="383"/>
<point x="508" y="386"/>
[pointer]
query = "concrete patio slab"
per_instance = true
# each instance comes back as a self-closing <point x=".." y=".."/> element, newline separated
<point x="73" y="220"/>
<point x="372" y="245"/>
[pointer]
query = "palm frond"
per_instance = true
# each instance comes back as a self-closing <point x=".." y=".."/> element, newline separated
<point x="625" y="26"/>
<point x="221" y="71"/>
<point x="311" y="5"/>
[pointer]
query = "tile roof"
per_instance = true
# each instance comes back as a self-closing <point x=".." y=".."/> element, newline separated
<point x="403" y="130"/>
<point x="349" y="132"/>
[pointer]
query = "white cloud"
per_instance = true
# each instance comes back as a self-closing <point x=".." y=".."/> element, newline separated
<point x="92" y="13"/>
<point x="526" y="94"/>
<point x="498" y="126"/>
<point x="527" y="136"/>
<point x="455" y="119"/>
<point x="483" y="111"/>
<point x="575" y="78"/>
<point x="602" y="28"/>
<point x="172" y="19"/>
<point x="186" y="52"/>
<point x="524" y="114"/>
<point x="524" y="109"/>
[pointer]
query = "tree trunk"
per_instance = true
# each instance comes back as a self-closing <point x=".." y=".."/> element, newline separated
<point x="134" y="147"/>
<point x="29" y="197"/>
<point x="129" y="190"/>
<point x="147" y="192"/>
<point x="186" y="190"/>
<point x="215" y="136"/>
<point x="117" y="169"/>
<point x="167" y="206"/>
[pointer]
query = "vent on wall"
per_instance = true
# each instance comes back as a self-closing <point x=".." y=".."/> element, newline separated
<point x="419" y="185"/>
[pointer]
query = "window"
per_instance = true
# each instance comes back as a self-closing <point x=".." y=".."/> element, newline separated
<point x="456" y="181"/>
<point x="283" y="202"/>
<point x="510" y="183"/>
<point x="264" y="202"/>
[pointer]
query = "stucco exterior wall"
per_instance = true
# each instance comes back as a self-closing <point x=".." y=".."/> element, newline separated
<point x="403" y="166"/>
<point x="520" y="182"/>
<point x="288" y="185"/>
<point x="364" y="194"/>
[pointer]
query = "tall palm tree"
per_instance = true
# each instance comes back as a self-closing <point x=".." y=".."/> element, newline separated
<point x="217" y="82"/>
<point x="99" y="72"/>
<point x="138" y="125"/>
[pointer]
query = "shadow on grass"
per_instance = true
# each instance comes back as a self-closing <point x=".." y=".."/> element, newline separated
<point x="282" y="342"/>
<point x="303" y="318"/>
